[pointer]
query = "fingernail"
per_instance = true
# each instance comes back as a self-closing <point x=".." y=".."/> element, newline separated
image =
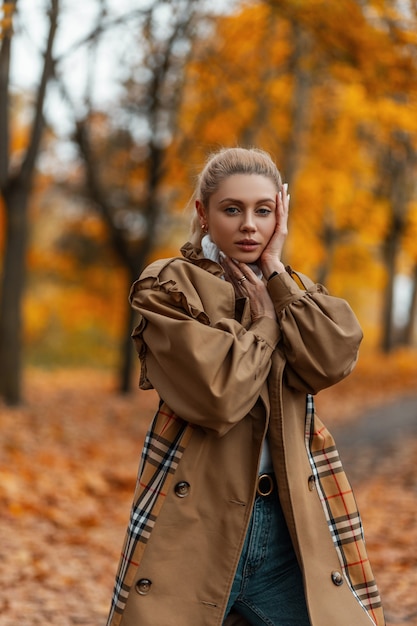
<point x="288" y="198"/>
<point x="280" y="195"/>
<point x="285" y="185"/>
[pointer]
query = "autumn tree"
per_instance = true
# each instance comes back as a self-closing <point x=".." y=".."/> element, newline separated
<point x="16" y="181"/>
<point x="317" y="84"/>
<point x="126" y="164"/>
<point x="130" y="201"/>
<point x="326" y="87"/>
<point x="271" y="93"/>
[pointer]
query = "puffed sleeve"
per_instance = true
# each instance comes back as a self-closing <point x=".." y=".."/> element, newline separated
<point x="320" y="333"/>
<point x="210" y="374"/>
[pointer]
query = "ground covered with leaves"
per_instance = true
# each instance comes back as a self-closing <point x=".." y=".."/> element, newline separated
<point x="68" y="460"/>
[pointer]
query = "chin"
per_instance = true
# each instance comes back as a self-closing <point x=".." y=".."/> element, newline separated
<point x="247" y="258"/>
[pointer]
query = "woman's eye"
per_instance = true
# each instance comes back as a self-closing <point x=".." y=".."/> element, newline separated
<point x="264" y="210"/>
<point x="231" y="210"/>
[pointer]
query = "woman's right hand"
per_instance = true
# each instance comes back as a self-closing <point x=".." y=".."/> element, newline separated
<point x="248" y="285"/>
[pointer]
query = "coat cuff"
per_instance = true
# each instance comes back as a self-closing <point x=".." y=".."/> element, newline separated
<point x="283" y="290"/>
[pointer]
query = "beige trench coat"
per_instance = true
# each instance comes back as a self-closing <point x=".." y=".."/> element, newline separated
<point x="234" y="382"/>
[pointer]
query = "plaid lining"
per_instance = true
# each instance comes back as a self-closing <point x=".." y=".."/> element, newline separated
<point x="341" y="513"/>
<point x="163" y="448"/>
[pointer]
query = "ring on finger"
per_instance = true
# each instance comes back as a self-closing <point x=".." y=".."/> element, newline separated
<point x="241" y="280"/>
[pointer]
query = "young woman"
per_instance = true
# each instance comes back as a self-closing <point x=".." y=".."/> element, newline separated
<point x="242" y="512"/>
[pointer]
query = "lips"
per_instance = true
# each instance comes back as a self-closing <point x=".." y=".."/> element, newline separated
<point x="248" y="245"/>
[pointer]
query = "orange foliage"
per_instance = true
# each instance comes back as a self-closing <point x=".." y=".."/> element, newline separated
<point x="358" y="63"/>
<point x="6" y="17"/>
<point x="363" y="87"/>
<point x="76" y="301"/>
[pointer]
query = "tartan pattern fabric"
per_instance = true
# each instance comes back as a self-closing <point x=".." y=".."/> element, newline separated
<point x="341" y="513"/>
<point x="163" y="448"/>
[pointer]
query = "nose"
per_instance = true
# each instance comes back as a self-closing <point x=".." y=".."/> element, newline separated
<point x="248" y="222"/>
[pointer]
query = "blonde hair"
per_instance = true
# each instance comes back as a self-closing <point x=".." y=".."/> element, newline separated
<point x="227" y="162"/>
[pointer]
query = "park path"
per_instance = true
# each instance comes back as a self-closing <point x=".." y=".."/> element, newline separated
<point x="377" y="434"/>
<point x="378" y="451"/>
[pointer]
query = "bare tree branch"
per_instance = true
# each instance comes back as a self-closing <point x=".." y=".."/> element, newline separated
<point x="98" y="195"/>
<point x="28" y="164"/>
<point x="101" y="27"/>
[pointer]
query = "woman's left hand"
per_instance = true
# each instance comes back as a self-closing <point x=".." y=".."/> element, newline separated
<point x="270" y="260"/>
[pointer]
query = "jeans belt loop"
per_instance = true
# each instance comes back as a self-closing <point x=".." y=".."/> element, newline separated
<point x="265" y="485"/>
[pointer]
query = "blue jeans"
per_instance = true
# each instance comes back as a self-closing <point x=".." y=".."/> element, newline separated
<point x="268" y="587"/>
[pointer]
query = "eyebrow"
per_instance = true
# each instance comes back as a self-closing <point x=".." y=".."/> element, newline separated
<point x="262" y="201"/>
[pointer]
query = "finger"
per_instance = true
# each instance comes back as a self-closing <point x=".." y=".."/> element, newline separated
<point x="234" y="272"/>
<point x="231" y="266"/>
<point x="244" y="270"/>
<point x="286" y="196"/>
<point x="279" y="201"/>
<point x="280" y="211"/>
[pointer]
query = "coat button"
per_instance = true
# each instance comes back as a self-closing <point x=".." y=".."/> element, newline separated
<point x="337" y="579"/>
<point x="311" y="483"/>
<point x="143" y="586"/>
<point x="182" y="489"/>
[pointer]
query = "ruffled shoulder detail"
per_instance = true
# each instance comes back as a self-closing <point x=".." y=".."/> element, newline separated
<point x="188" y="302"/>
<point x="166" y="276"/>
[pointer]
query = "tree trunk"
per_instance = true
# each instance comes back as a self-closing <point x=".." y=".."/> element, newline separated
<point x="133" y="263"/>
<point x="412" y="314"/>
<point x="300" y="102"/>
<point x="152" y="214"/>
<point x="127" y="352"/>
<point x="16" y="191"/>
<point x="391" y="251"/>
<point x="397" y="162"/>
<point x="13" y="282"/>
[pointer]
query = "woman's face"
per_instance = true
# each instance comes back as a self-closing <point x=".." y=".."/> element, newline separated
<point x="241" y="216"/>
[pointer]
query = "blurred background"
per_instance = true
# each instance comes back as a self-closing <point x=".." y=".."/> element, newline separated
<point x="108" y="110"/>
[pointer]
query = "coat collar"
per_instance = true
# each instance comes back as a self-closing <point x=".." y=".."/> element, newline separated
<point x="193" y="252"/>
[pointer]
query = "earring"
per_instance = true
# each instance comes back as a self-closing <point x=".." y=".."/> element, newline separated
<point x="204" y="227"/>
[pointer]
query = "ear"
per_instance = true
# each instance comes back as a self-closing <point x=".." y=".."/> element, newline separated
<point x="202" y="215"/>
<point x="201" y="211"/>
